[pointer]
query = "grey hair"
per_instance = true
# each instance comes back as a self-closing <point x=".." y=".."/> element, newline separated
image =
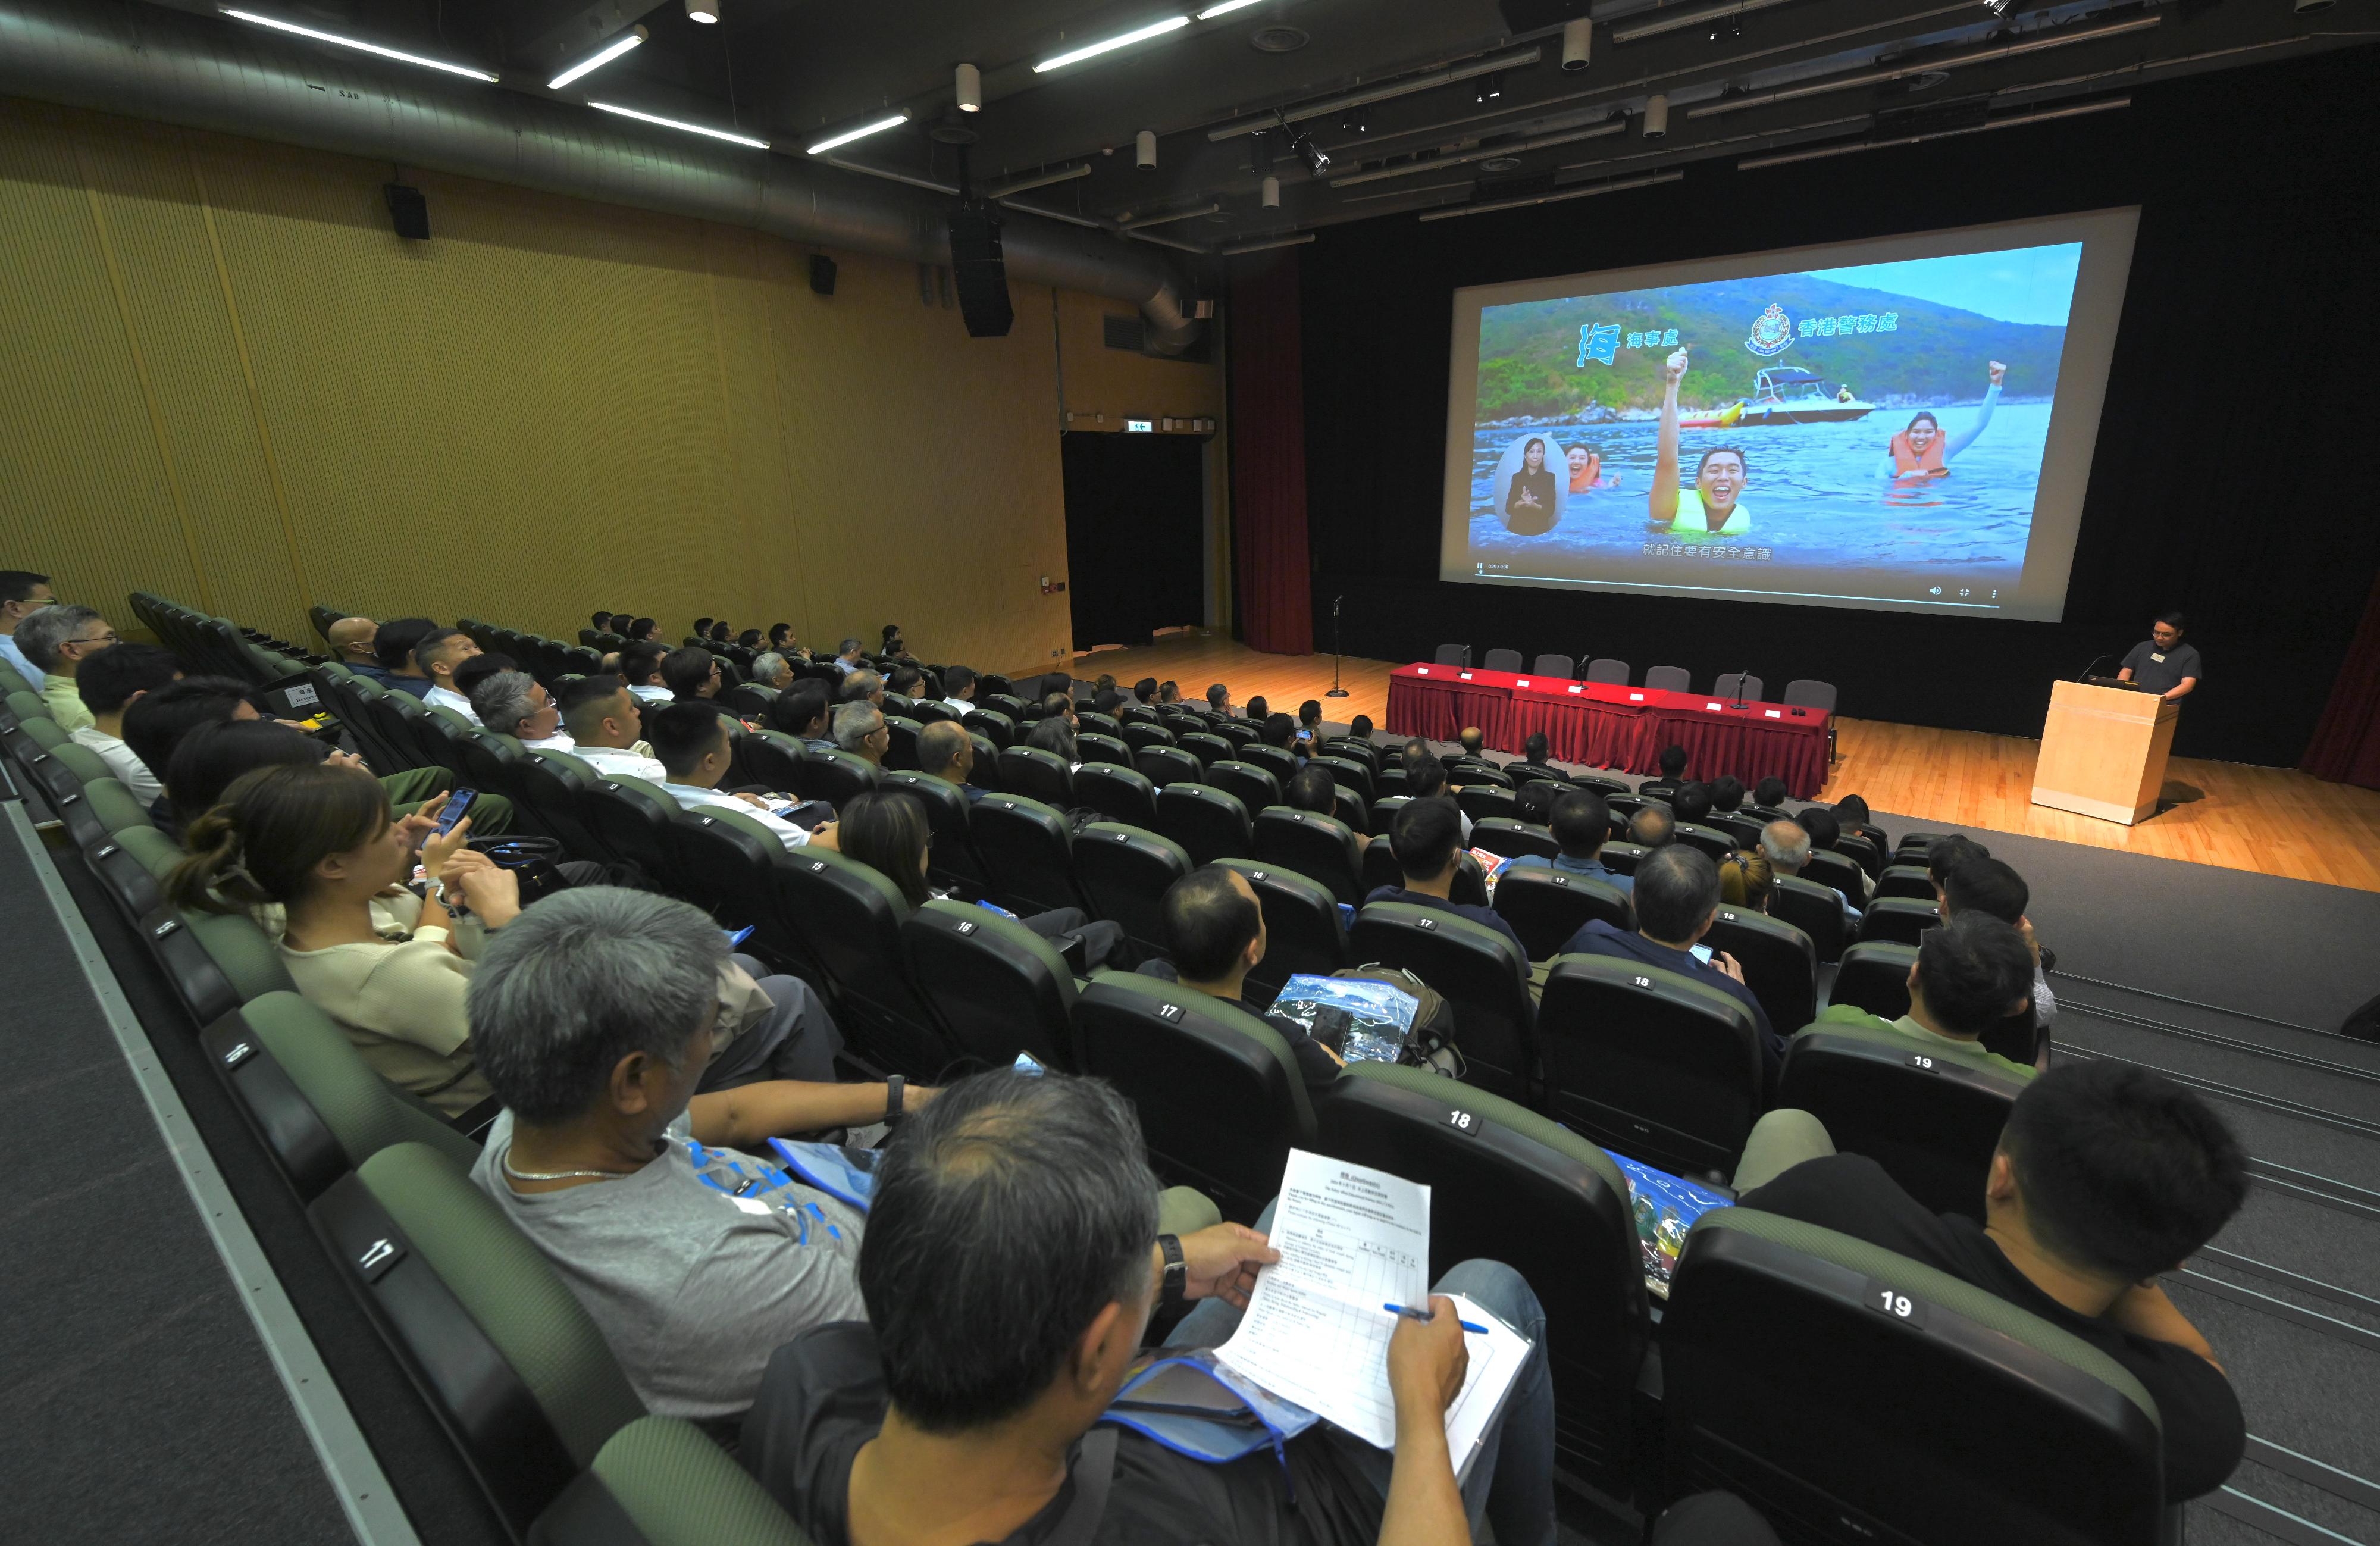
<point x="501" y="701"/>
<point x="1787" y="846"/>
<point x="861" y="684"/>
<point x="853" y="723"/>
<point x="579" y="981"/>
<point x="40" y="635"/>
<point x="766" y="666"/>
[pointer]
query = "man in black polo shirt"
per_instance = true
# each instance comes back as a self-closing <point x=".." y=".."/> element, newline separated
<point x="2162" y="663"/>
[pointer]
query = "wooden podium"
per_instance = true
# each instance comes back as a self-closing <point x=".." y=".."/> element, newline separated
<point x="2103" y="751"/>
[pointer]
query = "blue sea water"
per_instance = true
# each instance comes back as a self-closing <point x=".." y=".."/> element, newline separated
<point x="1811" y="492"/>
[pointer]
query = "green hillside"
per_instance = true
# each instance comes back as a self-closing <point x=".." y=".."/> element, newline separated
<point x="1528" y="353"/>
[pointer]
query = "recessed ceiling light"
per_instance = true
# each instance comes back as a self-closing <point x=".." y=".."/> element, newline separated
<point x="703" y="129"/>
<point x="624" y="43"/>
<point x="1278" y="40"/>
<point x="1139" y="34"/>
<point x="704" y="11"/>
<point x="359" y="43"/>
<point x="1500" y="163"/>
<point x="862" y="132"/>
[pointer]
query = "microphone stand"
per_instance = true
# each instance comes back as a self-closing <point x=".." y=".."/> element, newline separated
<point x="1336" y="690"/>
<point x="1739" y="691"/>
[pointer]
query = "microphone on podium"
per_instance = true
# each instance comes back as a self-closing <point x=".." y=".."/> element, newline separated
<point x="1739" y="704"/>
<point x="2085" y="673"/>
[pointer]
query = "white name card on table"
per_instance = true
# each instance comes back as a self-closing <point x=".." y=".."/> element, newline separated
<point x="1522" y="683"/>
<point x="1575" y="687"/>
<point x="1774" y="713"/>
<point x="1635" y="698"/>
<point x="1466" y="676"/>
<point x="1714" y="707"/>
<point x="1423" y="669"/>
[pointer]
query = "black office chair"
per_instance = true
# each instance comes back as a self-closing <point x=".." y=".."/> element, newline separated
<point x="1554" y="665"/>
<point x="1881" y="1399"/>
<point x="1451" y="654"/>
<point x="1667" y="678"/>
<point x="1932" y="1119"/>
<point x="1651" y="1063"/>
<point x="1322" y="848"/>
<point x="1304" y="928"/>
<point x="1547" y="907"/>
<point x="1780" y="965"/>
<point x="1206" y="821"/>
<point x="1613" y="672"/>
<point x="1503" y="660"/>
<point x="997" y="988"/>
<point x="1737" y="685"/>
<point x="1125" y="873"/>
<point x="1480" y="973"/>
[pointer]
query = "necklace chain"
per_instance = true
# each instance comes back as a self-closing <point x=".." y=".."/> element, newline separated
<point x="559" y="1174"/>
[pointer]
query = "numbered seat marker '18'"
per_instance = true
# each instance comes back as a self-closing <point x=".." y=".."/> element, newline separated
<point x="1897" y="1304"/>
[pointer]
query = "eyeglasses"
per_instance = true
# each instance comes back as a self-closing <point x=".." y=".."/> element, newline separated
<point x="108" y="638"/>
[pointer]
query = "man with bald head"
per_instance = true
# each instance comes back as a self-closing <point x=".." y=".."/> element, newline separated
<point x="352" y="646"/>
<point x="946" y="752"/>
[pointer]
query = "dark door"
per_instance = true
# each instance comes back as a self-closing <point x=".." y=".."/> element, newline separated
<point x="1135" y="534"/>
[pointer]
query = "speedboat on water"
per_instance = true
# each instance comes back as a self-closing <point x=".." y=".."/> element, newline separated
<point x="1786" y="394"/>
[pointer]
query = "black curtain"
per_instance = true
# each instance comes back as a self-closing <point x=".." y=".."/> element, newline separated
<point x="1135" y="533"/>
<point x="2225" y="480"/>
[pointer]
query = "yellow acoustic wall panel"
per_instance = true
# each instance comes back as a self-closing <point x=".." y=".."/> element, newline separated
<point x="228" y="382"/>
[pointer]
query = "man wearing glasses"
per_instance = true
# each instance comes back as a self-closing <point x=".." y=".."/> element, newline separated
<point x="22" y="593"/>
<point x="58" y="640"/>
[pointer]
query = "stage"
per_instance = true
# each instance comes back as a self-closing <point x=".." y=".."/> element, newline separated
<point x="2268" y="821"/>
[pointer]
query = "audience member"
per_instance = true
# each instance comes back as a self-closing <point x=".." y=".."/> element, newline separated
<point x="1787" y="846"/>
<point x="1653" y="827"/>
<point x="440" y="651"/>
<point x="1309" y="723"/>
<point x="1312" y="789"/>
<point x="1059" y="705"/>
<point x="719" y="635"/>
<point x="1945" y="855"/>
<point x="601" y="622"/>
<point x="959" y="687"/>
<point x="155" y="722"/>
<point x="1673" y="772"/>
<point x="1536" y="798"/>
<point x="1996" y="890"/>
<point x="691" y="743"/>
<point x="1426" y="839"/>
<point x="888" y="830"/>
<point x="748" y="639"/>
<point x="1106" y="701"/>
<point x="893" y="646"/>
<point x="946" y="752"/>
<point x="1823" y="828"/>
<point x="596" y="1017"/>
<point x="58" y="640"/>
<point x="861" y="687"/>
<point x="513" y="703"/>
<point x="1747" y="879"/>
<point x="860" y="728"/>
<point x="1691" y="803"/>
<point x="1426" y="780"/>
<point x="1971" y="973"/>
<point x="1214" y="933"/>
<point x="393" y="647"/>
<point x="781" y="640"/>
<point x="640" y="631"/>
<point x="1582" y="824"/>
<point x="1533" y="750"/>
<point x="1055" y="735"/>
<point x="1852" y="814"/>
<point x="692" y="676"/>
<point x="355" y="644"/>
<point x="109" y="683"/>
<point x="1360" y="728"/>
<point x="22" y="593"/>
<point x="1474" y="742"/>
<point x="801" y="712"/>
<point x="1677" y="897"/>
<point x="1258" y="710"/>
<point x="1279" y="730"/>
<point x="1168" y="692"/>
<point x="2107" y="1175"/>
<point x="1768" y="799"/>
<point x="1727" y="795"/>
<point x="847" y="656"/>
<point x="479" y="668"/>
<point x="701" y="631"/>
<point x="772" y="671"/>
<point x="905" y="682"/>
<point x="1144" y="692"/>
<point x="1219" y="699"/>
<point x="604" y="721"/>
<point x="1011" y="1261"/>
<point x="212" y="757"/>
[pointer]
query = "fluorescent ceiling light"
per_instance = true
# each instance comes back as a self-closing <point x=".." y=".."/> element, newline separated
<point x="1671" y="21"/>
<point x="1166" y="218"/>
<point x="862" y="132"/>
<point x="357" y="43"/>
<point x="676" y="123"/>
<point x="1040" y="179"/>
<point x="1265" y="245"/>
<point x="1223" y="8"/>
<point x="1154" y="30"/>
<point x="596" y="61"/>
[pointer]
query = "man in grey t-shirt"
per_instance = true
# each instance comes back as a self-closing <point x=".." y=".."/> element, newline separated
<point x="592" y="1017"/>
<point x="2162" y="663"/>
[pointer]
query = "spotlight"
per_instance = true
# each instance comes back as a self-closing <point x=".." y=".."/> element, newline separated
<point x="1656" y="116"/>
<point x="1144" y="150"/>
<point x="704" y="11"/>
<point x="1491" y="87"/>
<point x="1317" y="161"/>
<point x="1272" y="193"/>
<point x="1578" y="44"/>
<point x="969" y="89"/>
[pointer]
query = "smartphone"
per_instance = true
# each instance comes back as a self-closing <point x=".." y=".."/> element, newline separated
<point x="458" y="805"/>
<point x="737" y="936"/>
<point x="1701" y="953"/>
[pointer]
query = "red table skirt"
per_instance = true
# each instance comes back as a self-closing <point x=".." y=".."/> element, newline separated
<point x="1605" y="726"/>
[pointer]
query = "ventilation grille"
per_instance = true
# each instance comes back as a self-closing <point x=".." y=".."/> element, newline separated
<point x="1122" y="332"/>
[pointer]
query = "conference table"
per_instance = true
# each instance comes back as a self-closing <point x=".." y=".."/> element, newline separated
<point x="1607" y="725"/>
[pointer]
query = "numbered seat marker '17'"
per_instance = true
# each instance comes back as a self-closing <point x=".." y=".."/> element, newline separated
<point x="1897" y="1304"/>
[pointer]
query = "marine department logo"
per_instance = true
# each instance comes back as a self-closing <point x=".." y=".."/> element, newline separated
<point x="1772" y="333"/>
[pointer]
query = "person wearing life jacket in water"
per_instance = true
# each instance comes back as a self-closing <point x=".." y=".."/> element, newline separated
<point x="1584" y="468"/>
<point x="1532" y="502"/>
<point x="1715" y="503"/>
<point x="1922" y="450"/>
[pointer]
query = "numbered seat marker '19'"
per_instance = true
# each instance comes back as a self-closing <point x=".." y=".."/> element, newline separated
<point x="1896" y="1304"/>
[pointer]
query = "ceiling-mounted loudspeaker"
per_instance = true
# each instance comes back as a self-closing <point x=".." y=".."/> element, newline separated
<point x="969" y="89"/>
<point x="821" y="273"/>
<point x="1656" y="116"/>
<point x="1578" y="44"/>
<point x="704" y="11"/>
<point x="408" y="211"/>
<point x="1144" y="150"/>
<point x="981" y="275"/>
<point x="1272" y="193"/>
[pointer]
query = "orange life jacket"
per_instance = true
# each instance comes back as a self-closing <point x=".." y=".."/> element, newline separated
<point x="1581" y="482"/>
<point x="1906" y="460"/>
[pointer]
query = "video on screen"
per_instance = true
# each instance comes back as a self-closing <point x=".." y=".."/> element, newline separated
<point x="1875" y="433"/>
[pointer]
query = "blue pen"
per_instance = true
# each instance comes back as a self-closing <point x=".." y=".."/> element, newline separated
<point x="1412" y="1314"/>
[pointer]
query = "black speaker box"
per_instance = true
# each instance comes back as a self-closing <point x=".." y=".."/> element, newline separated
<point x="408" y="211"/>
<point x="981" y="276"/>
<point x="821" y="273"/>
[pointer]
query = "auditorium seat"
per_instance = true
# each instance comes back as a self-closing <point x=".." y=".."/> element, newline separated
<point x="1465" y="771"/>
<point x="1124" y="871"/>
<point x="1220" y="1096"/>
<point x="1816" y="909"/>
<point x="1348" y="773"/>
<point x="1718" y="844"/>
<point x="1205" y="747"/>
<point x="771" y="760"/>
<point x="1163" y="765"/>
<point x="516" y="1367"/>
<point x="995" y="986"/>
<point x="1251" y="783"/>
<point x="1482" y="801"/>
<point x="1900" y="919"/>
<point x="1119" y="794"/>
<point x="214" y="962"/>
<point x="1554" y="665"/>
<point x="1238" y="732"/>
<point x="993" y="726"/>
<point x="1738" y="685"/>
<point x="1001" y="701"/>
<point x="1322" y="849"/>
<point x="1137" y="734"/>
<point x="1743" y="829"/>
<point x="1504" y="659"/>
<point x="1780" y="965"/>
<point x="850" y="915"/>
<point x="1379" y="865"/>
<point x="1091" y="722"/>
<point x="1305" y="931"/>
<point x="952" y="858"/>
<point x="662" y="1481"/>
<point x="1097" y="748"/>
<point x="553" y="786"/>
<point x="1483" y="976"/>
<point x="1036" y="774"/>
<point x="1451" y="654"/>
<point x="1509" y="1184"/>
<point x="1619" y="855"/>
<point x="1932" y="1122"/>
<point x="318" y="1108"/>
<point x="836" y="776"/>
<point x="1838" y="871"/>
<point x="900" y="735"/>
<point x="1667" y="678"/>
<point x="1389" y="782"/>
<point x="1791" y="1375"/>
<point x="1027" y="857"/>
<point x="1271" y="759"/>
<point x="1602" y="784"/>
<point x="1911" y="848"/>
<point x="1651" y="1063"/>
<point x="1210" y="823"/>
<point x="130" y="866"/>
<point x="1873" y="975"/>
<point x="1905" y="879"/>
<point x="725" y="861"/>
<point x="631" y="818"/>
<point x="1366" y="752"/>
<point x="1547" y="907"/>
<point x="1509" y="837"/>
<point x="1861" y="851"/>
<point x="1604" y="670"/>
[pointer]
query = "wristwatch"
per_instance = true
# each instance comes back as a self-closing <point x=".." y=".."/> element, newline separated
<point x="1177" y="1271"/>
<point x="893" y="1084"/>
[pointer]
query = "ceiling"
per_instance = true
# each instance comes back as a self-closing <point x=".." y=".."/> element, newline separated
<point x="1773" y="77"/>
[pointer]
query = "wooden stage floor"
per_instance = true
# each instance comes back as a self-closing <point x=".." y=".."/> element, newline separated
<point x="2271" y="821"/>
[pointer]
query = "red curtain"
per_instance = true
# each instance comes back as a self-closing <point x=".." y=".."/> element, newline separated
<point x="1275" y="582"/>
<point x="2346" y="745"/>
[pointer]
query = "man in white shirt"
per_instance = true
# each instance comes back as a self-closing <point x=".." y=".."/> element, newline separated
<point x="109" y="684"/>
<point x="640" y="665"/>
<point x="22" y="593"/>
<point x="959" y="689"/>
<point x="846" y="658"/>
<point x="513" y="703"/>
<point x="438" y="655"/>
<point x="691" y="741"/>
<point x="605" y="718"/>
